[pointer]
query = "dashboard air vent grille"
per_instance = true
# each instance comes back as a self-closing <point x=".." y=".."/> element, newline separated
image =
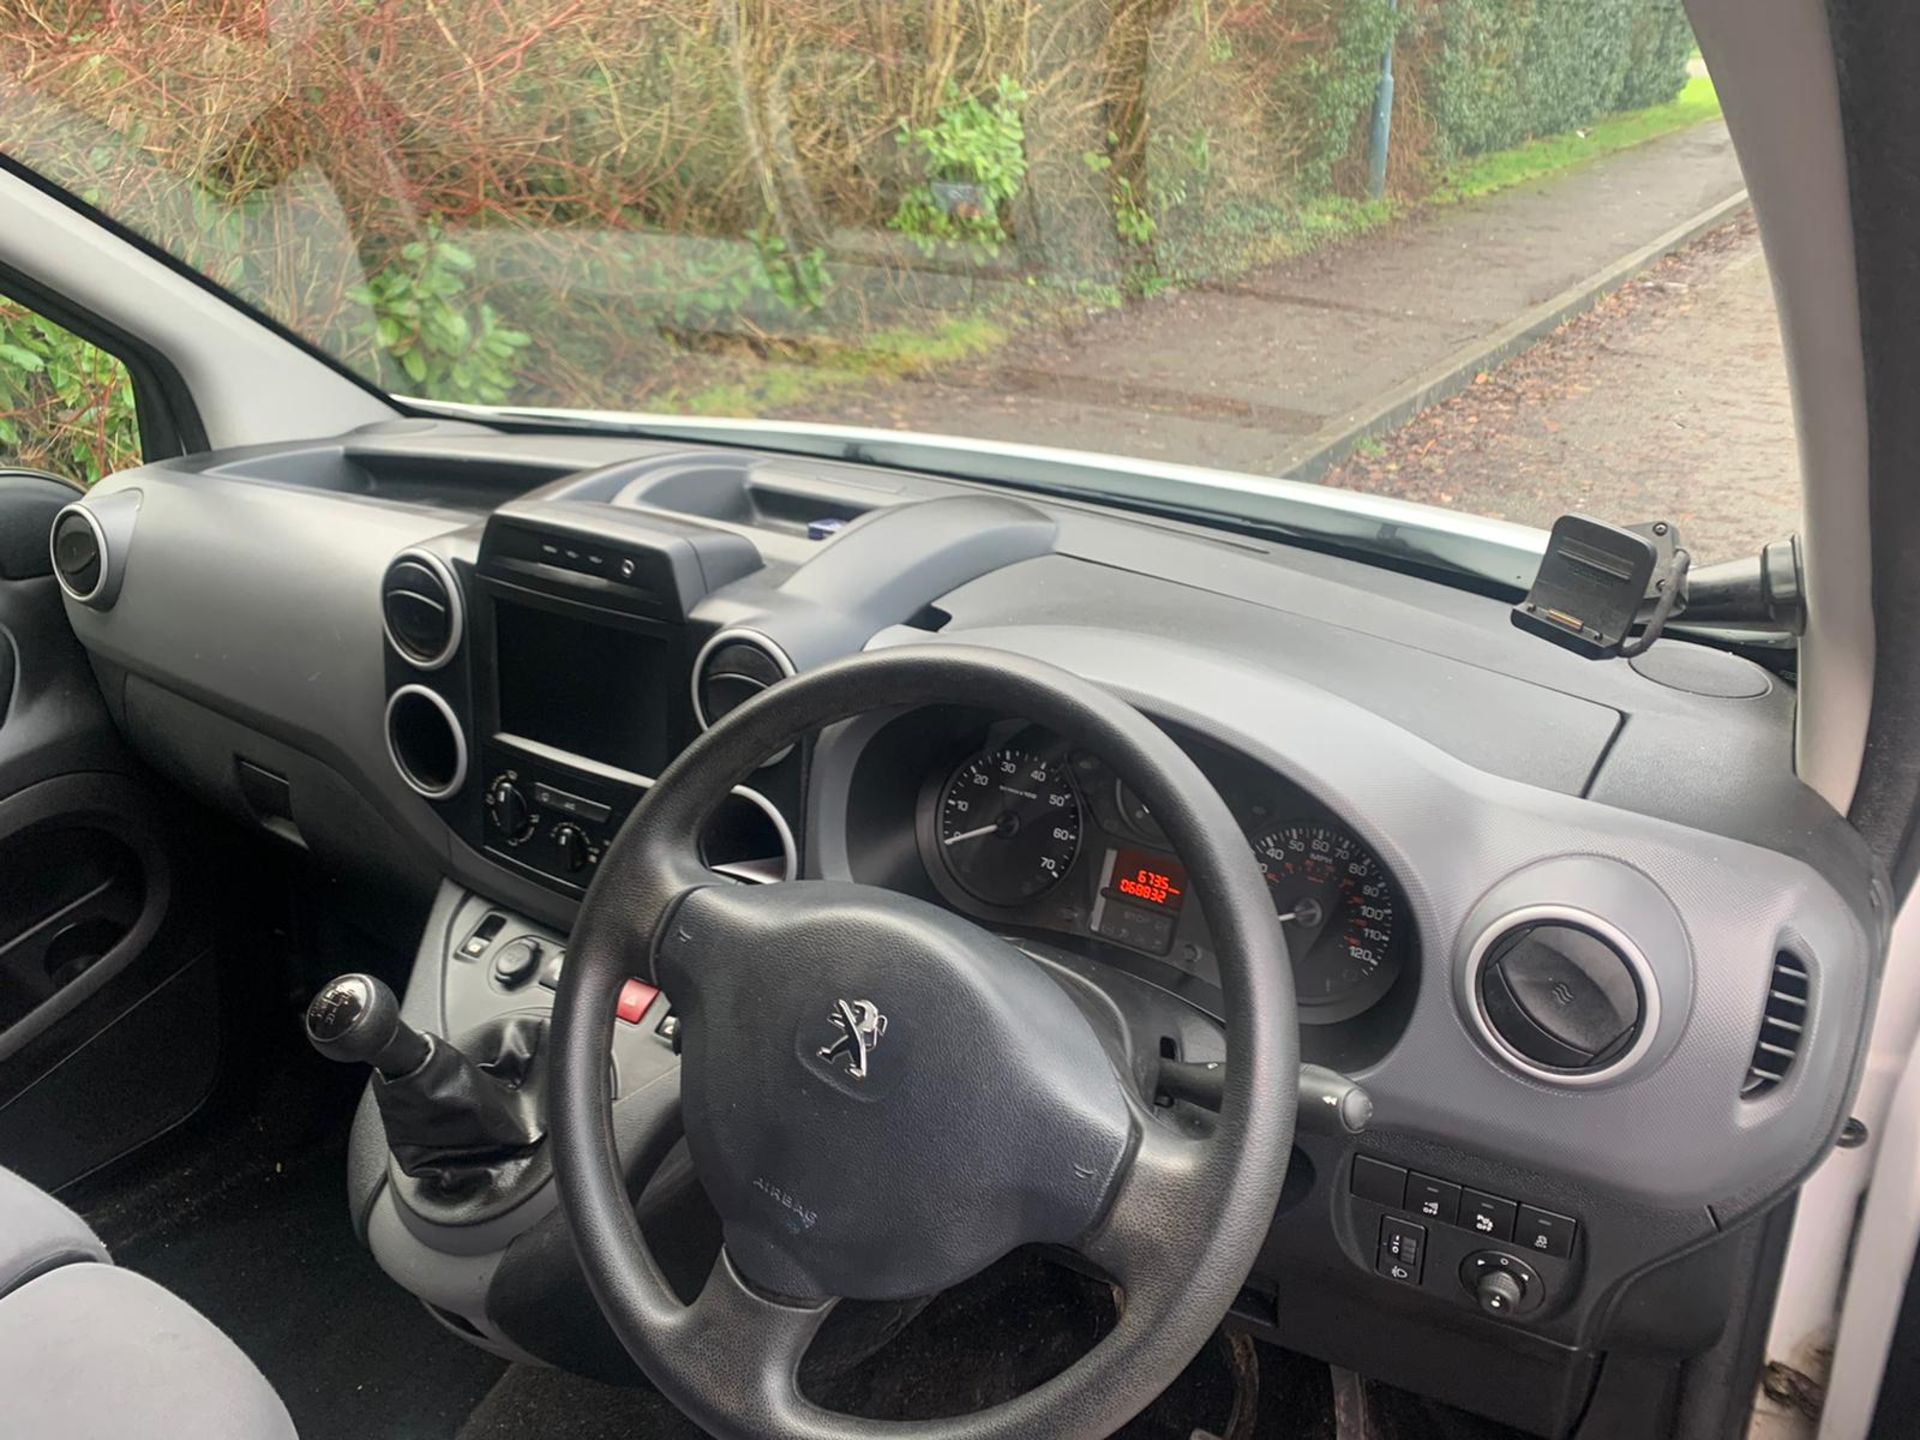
<point x="1781" y="1027"/>
<point x="420" y="605"/>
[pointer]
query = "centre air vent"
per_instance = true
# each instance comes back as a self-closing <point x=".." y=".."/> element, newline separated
<point x="732" y="668"/>
<point x="1782" y="1025"/>
<point x="420" y="607"/>
<point x="425" y="742"/>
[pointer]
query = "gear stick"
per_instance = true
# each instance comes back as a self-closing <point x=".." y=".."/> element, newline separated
<point x="450" y="1121"/>
<point x="356" y="1018"/>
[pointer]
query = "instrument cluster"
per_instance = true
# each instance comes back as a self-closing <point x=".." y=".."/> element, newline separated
<point x="1023" y="831"/>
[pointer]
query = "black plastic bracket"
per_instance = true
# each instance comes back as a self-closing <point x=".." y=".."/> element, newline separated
<point x="1597" y="581"/>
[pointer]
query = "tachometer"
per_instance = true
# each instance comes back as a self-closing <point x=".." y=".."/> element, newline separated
<point x="1009" y="825"/>
<point x="1336" y="907"/>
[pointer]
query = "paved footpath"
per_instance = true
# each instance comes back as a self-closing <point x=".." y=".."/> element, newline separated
<point x="1244" y="377"/>
<point x="1667" y="401"/>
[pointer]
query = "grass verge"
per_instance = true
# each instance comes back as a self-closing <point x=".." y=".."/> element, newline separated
<point x="895" y="354"/>
<point x="1485" y="175"/>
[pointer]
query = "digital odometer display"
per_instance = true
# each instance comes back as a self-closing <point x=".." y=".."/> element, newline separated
<point x="1148" y="879"/>
<point x="1009" y="825"/>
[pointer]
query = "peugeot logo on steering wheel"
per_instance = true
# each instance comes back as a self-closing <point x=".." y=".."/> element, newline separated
<point x="861" y="1025"/>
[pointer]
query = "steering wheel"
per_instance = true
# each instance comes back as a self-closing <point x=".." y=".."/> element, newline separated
<point x="882" y="1098"/>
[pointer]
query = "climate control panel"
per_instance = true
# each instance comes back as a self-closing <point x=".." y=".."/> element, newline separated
<point x="547" y="820"/>
<point x="557" y="821"/>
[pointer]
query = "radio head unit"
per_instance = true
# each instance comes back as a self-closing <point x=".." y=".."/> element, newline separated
<point x="581" y="672"/>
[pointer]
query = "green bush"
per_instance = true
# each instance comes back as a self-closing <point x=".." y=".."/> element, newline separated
<point x="972" y="143"/>
<point x="1508" y="70"/>
<point x="65" y="405"/>
<point x="419" y="314"/>
<point x="1659" y="45"/>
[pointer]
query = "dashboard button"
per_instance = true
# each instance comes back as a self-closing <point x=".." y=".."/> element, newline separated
<point x="567" y="803"/>
<point x="1487" y="1215"/>
<point x="636" y="998"/>
<point x="1378" y="1181"/>
<point x="483" y="935"/>
<point x="1435" y="1199"/>
<point x="550" y="972"/>
<point x="1544" y="1232"/>
<point x="1403" y="1250"/>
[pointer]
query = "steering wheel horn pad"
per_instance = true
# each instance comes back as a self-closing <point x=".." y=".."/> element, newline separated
<point x="977" y="1112"/>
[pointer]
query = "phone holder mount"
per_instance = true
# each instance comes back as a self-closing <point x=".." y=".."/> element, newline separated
<point x="1598" y="581"/>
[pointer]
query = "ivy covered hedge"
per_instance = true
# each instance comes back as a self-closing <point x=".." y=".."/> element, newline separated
<point x="1503" y="71"/>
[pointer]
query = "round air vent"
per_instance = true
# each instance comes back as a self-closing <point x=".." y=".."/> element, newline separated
<point x="420" y="607"/>
<point x="732" y="668"/>
<point x="1562" y="995"/>
<point x="79" y="553"/>
<point x="425" y="743"/>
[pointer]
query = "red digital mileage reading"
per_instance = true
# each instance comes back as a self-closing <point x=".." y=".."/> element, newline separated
<point x="1156" y="880"/>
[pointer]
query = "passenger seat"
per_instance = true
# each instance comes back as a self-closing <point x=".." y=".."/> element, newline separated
<point x="89" y="1351"/>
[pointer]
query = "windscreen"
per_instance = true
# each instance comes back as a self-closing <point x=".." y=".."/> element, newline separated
<point x="1290" y="239"/>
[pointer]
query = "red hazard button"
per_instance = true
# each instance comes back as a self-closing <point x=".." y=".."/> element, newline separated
<point x="636" y="996"/>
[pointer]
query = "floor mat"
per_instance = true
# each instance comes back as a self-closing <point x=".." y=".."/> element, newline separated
<point x="1294" y="1404"/>
<point x="245" y="1218"/>
<point x="995" y="1337"/>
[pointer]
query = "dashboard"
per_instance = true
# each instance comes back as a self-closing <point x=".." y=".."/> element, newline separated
<point x="1544" y="909"/>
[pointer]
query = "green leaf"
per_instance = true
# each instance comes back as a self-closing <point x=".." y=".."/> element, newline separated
<point x="415" y="364"/>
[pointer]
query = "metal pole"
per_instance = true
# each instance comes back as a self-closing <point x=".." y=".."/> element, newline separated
<point x="1382" y="119"/>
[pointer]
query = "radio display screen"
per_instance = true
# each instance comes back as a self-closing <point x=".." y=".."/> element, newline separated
<point x="597" y="691"/>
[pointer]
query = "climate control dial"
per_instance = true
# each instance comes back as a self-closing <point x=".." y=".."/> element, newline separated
<point x="507" y="809"/>
<point x="575" y="846"/>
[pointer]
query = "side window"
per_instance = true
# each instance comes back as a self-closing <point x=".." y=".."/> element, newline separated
<point x="66" y="406"/>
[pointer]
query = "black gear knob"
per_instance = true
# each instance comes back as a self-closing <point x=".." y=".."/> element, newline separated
<point x="356" y="1019"/>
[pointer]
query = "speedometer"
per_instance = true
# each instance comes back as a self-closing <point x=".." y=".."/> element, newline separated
<point x="1009" y="825"/>
<point x="1337" y="909"/>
